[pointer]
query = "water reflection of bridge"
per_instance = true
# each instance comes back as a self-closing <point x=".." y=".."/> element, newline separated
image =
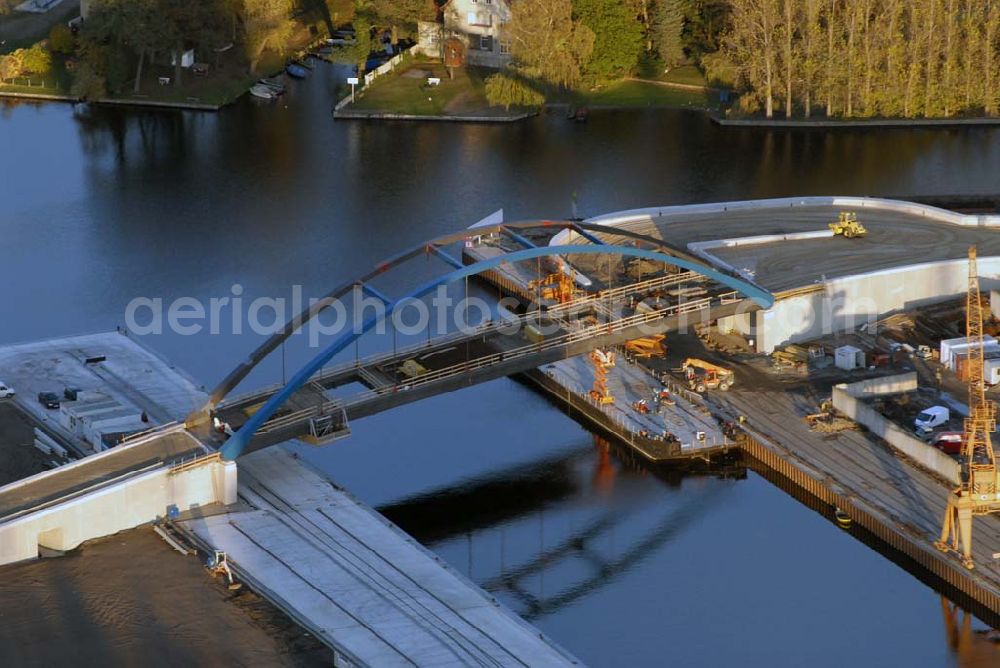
<point x="552" y="485"/>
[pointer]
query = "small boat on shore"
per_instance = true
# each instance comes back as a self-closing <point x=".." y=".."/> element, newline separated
<point x="297" y="71"/>
<point x="263" y="92"/>
<point x="274" y="84"/>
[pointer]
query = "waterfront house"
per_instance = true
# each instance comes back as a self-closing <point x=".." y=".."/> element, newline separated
<point x="480" y="26"/>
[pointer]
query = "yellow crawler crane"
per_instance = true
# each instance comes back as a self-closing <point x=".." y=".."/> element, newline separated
<point x="978" y="492"/>
<point x="602" y="361"/>
<point x="848" y="225"/>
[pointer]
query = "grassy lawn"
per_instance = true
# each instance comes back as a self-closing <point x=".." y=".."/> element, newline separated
<point x="218" y="87"/>
<point x="401" y="94"/>
<point x="643" y="94"/>
<point x="21" y="29"/>
<point x="686" y="74"/>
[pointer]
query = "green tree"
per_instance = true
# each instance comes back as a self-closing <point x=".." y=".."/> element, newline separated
<point x="148" y="31"/>
<point x="548" y="43"/>
<point x="357" y="53"/>
<point x="510" y="90"/>
<point x="401" y="16"/>
<point x="706" y="22"/>
<point x="668" y="31"/>
<point x="61" y="39"/>
<point x="617" y="38"/>
<point x="88" y="83"/>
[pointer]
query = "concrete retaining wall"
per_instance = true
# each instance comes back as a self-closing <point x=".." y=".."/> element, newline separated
<point x="882" y="387"/>
<point x="115" y="507"/>
<point x="850" y="302"/>
<point x="877" y="203"/>
<point x="846" y="399"/>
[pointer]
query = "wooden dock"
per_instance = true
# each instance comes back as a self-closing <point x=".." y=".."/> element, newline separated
<point x="889" y="496"/>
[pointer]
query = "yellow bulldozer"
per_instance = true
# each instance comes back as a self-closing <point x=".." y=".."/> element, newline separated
<point x="847" y="224"/>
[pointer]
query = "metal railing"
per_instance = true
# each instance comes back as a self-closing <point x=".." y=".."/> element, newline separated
<point x="507" y="355"/>
<point x="483" y="329"/>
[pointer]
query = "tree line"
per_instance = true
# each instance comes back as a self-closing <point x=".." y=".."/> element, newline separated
<point x="841" y="58"/>
<point x="898" y="58"/>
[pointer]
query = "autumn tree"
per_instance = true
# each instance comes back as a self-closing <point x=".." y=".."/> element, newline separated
<point x="266" y="23"/>
<point x="753" y="42"/>
<point x="548" y="43"/>
<point x="61" y="39"/>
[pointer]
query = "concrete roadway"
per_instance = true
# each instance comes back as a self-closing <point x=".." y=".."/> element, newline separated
<point x="97" y="470"/>
<point x="894" y="239"/>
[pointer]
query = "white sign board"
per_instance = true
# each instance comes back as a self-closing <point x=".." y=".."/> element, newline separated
<point x="352" y="80"/>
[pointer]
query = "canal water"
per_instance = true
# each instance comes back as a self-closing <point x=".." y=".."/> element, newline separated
<point x="621" y="565"/>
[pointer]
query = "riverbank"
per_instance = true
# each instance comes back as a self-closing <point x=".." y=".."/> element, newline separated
<point x="826" y="124"/>
<point x="408" y="95"/>
<point x="205" y="87"/>
<point x="452" y="118"/>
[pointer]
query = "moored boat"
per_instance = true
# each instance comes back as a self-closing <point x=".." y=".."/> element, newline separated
<point x="274" y="84"/>
<point x="263" y="92"/>
<point x="296" y="70"/>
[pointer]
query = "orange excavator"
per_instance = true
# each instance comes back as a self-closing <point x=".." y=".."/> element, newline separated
<point x="602" y="361"/>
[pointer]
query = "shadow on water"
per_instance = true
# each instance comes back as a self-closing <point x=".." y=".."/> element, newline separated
<point x="595" y="481"/>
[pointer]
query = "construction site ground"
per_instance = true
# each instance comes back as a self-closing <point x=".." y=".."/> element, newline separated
<point x="18" y="456"/>
<point x="630" y="383"/>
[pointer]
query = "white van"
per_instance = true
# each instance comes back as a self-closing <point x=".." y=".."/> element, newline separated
<point x="935" y="416"/>
<point x="5" y="391"/>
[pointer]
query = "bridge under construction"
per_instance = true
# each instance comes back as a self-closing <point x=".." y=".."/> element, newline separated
<point x="770" y="273"/>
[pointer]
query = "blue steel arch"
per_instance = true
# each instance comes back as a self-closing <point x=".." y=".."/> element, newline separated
<point x="239" y="440"/>
<point x="586" y="230"/>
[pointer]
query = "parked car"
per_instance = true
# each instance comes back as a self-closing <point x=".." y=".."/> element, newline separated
<point x="71" y="393"/>
<point x="48" y="399"/>
<point x="935" y="416"/>
<point x="6" y="391"/>
<point x="949" y="442"/>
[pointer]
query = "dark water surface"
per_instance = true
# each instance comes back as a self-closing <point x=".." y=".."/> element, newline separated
<point x="621" y="566"/>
